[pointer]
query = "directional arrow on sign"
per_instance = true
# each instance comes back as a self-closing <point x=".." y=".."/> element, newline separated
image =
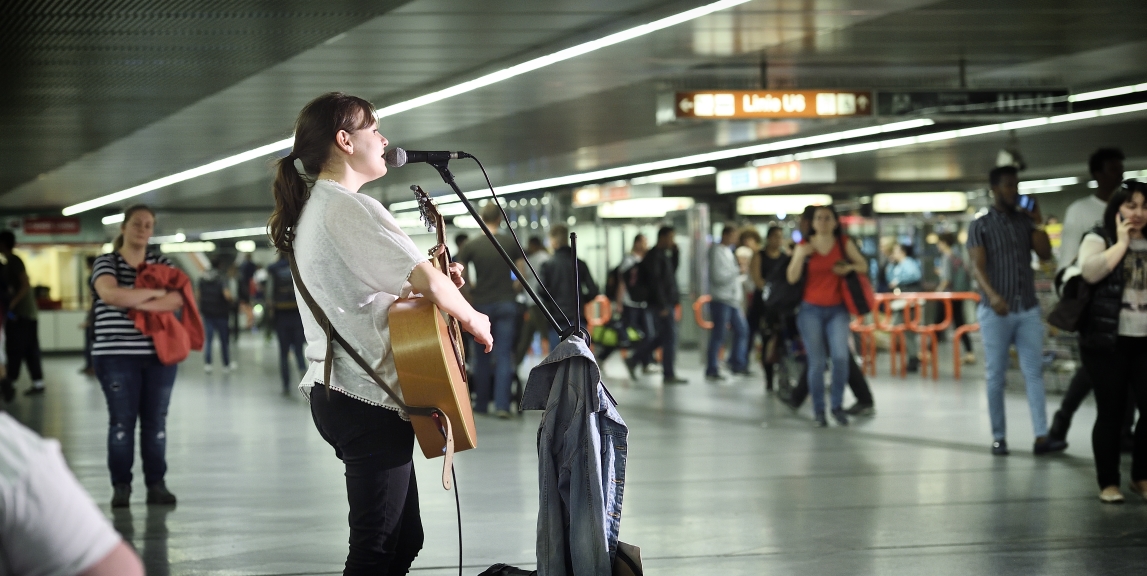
<point x="686" y="105"/>
<point x="862" y="102"/>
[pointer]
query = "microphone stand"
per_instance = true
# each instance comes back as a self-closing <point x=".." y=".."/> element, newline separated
<point x="444" y="170"/>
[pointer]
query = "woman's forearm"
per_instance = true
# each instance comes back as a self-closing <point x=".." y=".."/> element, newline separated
<point x="170" y="302"/>
<point x="126" y="297"/>
<point x="796" y="267"/>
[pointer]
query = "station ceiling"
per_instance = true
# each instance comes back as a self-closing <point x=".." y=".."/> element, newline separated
<point x="104" y="95"/>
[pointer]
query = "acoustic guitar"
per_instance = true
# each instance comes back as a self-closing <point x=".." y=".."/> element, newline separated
<point x="429" y="354"/>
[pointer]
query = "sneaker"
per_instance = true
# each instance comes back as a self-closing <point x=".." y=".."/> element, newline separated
<point x="7" y="390"/>
<point x="651" y="369"/>
<point x="674" y="380"/>
<point x="1048" y="446"/>
<point x="631" y="367"/>
<point x="34" y="391"/>
<point x="1112" y="495"/>
<point x="502" y="414"/>
<point x="840" y="417"/>
<point x="820" y="421"/>
<point x="121" y="497"/>
<point x="714" y="378"/>
<point x="859" y="409"/>
<point x="1060" y="423"/>
<point x="913" y="365"/>
<point x="207" y="368"/>
<point x="969" y="358"/>
<point x="159" y="494"/>
<point x="1000" y="448"/>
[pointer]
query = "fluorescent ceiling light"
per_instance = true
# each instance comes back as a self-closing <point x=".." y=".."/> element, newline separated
<point x="623" y="171"/>
<point x="113" y="219"/>
<point x="466" y="222"/>
<point x="187" y="247"/>
<point x="174" y="238"/>
<point x="643" y="207"/>
<point x="1069" y="181"/>
<point x="236" y="233"/>
<point x="246" y="246"/>
<point x="673" y="176"/>
<point x="779" y="204"/>
<point x="439" y="95"/>
<point x="1107" y="93"/>
<point x="900" y="202"/>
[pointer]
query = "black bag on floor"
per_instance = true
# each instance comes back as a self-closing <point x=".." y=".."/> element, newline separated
<point x="627" y="562"/>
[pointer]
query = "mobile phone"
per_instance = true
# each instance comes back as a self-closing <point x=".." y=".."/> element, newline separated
<point x="1026" y="202"/>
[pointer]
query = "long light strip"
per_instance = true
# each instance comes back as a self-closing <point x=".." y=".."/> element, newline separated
<point x="622" y="171"/>
<point x="235" y="233"/>
<point x="437" y="96"/>
<point x="1107" y="93"/>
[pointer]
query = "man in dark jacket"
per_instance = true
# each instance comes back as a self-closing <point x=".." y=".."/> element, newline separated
<point x="558" y="277"/>
<point x="658" y="271"/>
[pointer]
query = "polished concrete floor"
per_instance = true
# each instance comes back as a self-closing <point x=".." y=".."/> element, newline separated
<point x="722" y="479"/>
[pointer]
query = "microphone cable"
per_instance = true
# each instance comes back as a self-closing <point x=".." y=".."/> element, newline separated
<point x="458" y="509"/>
<point x="506" y="217"/>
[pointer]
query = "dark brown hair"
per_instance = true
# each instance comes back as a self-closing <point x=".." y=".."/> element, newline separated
<point x="127" y="214"/>
<point x="315" y="130"/>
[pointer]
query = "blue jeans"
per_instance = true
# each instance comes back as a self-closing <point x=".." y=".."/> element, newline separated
<point x="1025" y="330"/>
<point x="503" y="320"/>
<point x="723" y="314"/>
<point x="213" y="326"/>
<point x="289" y="329"/>
<point x="136" y="388"/>
<point x="824" y="330"/>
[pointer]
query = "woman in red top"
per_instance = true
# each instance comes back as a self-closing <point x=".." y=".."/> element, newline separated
<point x="823" y="318"/>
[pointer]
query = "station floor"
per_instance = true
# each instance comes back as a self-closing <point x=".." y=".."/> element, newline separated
<point x="722" y="479"/>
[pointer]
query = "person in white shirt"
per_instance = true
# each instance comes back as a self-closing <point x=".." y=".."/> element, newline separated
<point x="725" y="308"/>
<point x="1106" y="166"/>
<point x="48" y="525"/>
<point x="355" y="261"/>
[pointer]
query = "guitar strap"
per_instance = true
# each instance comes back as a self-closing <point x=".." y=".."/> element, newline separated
<point x="333" y="336"/>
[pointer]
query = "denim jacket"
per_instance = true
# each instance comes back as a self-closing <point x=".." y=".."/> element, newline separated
<point x="581" y="463"/>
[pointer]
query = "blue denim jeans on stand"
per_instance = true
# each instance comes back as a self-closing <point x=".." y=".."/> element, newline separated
<point x="503" y="320"/>
<point x="824" y="330"/>
<point x="722" y="315"/>
<point x="136" y="388"/>
<point x="211" y="327"/>
<point x="1025" y="330"/>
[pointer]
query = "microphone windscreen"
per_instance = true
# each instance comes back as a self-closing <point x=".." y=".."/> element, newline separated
<point x="395" y="157"/>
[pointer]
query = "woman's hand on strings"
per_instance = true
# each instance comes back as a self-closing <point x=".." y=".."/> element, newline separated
<point x="478" y="325"/>
<point x="454" y="269"/>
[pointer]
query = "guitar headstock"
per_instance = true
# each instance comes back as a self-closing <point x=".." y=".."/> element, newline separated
<point x="428" y="211"/>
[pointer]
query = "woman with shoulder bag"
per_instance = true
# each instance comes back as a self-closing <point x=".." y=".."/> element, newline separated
<point x="356" y="261"/>
<point x="1113" y="342"/>
<point x="823" y="318"/>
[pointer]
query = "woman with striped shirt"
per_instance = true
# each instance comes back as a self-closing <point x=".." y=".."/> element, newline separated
<point x="136" y="385"/>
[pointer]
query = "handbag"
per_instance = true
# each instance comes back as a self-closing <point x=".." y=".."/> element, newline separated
<point x="859" y="297"/>
<point x="615" y="334"/>
<point x="1075" y="296"/>
<point x="779" y="296"/>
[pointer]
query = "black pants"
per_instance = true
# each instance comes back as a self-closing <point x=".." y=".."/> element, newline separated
<point x="957" y="321"/>
<point x="289" y="330"/>
<point x="665" y="338"/>
<point x="1113" y="372"/>
<point x="376" y="446"/>
<point x="23" y="345"/>
<point x="856" y="382"/>
<point x="1077" y="391"/>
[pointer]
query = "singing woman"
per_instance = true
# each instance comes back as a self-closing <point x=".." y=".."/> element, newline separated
<point x="356" y="261"/>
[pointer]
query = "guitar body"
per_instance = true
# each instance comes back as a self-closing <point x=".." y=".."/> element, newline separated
<point x="430" y="359"/>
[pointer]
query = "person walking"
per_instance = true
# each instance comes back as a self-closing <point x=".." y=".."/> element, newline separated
<point x="1000" y="244"/>
<point x="492" y="293"/>
<point x="136" y="385"/>
<point x="1106" y="167"/>
<point x="557" y="274"/>
<point x="762" y="321"/>
<point x="1113" y="341"/>
<point x="633" y="312"/>
<point x="21" y="327"/>
<point x="355" y="261"/>
<point x="953" y="274"/>
<point x="903" y="275"/>
<point x="285" y="317"/>
<point x="725" y="307"/>
<point x="658" y="273"/>
<point x="823" y="259"/>
<point x="216" y="297"/>
<point x="534" y="322"/>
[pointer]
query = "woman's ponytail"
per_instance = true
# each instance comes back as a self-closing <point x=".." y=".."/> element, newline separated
<point x="315" y="130"/>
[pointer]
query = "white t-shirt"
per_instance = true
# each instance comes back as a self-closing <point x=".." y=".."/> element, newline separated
<point x="1133" y="315"/>
<point x="48" y="525"/>
<point x="1081" y="216"/>
<point x="355" y="261"/>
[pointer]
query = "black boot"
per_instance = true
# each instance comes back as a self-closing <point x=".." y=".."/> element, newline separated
<point x="159" y="494"/>
<point x="121" y="497"/>
<point x="1060" y="424"/>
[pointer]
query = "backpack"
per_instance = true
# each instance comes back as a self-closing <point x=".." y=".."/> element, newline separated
<point x="779" y="296"/>
<point x="637" y="281"/>
<point x="282" y="288"/>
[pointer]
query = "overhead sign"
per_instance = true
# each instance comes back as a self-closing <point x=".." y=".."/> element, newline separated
<point x="781" y="204"/>
<point x="51" y="225"/>
<point x="898" y="202"/>
<point x="598" y="193"/>
<point x="774" y="175"/>
<point x="971" y="102"/>
<point x="726" y="104"/>
<point x="643" y="207"/>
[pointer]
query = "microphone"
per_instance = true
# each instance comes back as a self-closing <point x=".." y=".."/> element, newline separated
<point x="396" y="157"/>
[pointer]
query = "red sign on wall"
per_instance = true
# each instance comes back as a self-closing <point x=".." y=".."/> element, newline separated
<point x="51" y="226"/>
